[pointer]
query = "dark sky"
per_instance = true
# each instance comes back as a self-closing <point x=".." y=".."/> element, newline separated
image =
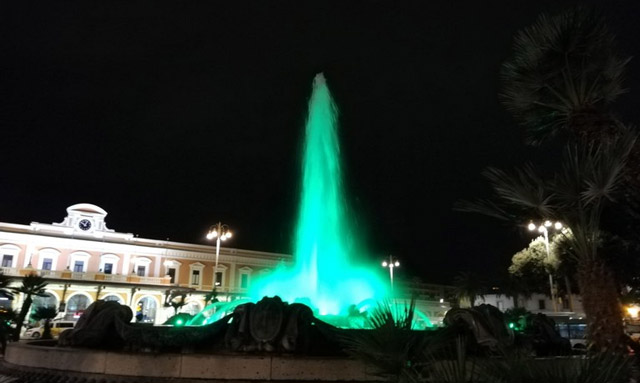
<point x="174" y="115"/>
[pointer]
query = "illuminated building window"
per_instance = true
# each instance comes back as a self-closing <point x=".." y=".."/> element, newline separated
<point x="78" y="266"/>
<point x="7" y="260"/>
<point x="196" y="271"/>
<point x="47" y="263"/>
<point x="195" y="277"/>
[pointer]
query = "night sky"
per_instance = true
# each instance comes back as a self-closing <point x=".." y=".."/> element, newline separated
<point x="174" y="115"/>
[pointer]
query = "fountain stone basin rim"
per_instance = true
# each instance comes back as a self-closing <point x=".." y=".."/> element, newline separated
<point x="259" y="368"/>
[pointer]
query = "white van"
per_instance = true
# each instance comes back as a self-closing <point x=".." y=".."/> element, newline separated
<point x="56" y="328"/>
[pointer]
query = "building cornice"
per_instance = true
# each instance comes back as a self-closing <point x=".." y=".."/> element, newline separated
<point x="21" y="234"/>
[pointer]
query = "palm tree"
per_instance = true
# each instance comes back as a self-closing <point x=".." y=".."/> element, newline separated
<point x="6" y="316"/>
<point x="32" y="284"/>
<point x="589" y="178"/>
<point x="561" y="80"/>
<point x="468" y="286"/>
<point x="45" y="313"/>
<point x="4" y="285"/>
<point x="563" y="75"/>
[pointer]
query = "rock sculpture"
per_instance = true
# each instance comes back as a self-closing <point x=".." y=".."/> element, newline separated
<point x="485" y="322"/>
<point x="97" y="327"/>
<point x="269" y="325"/>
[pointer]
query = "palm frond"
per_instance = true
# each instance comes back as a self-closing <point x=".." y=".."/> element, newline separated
<point x="561" y="65"/>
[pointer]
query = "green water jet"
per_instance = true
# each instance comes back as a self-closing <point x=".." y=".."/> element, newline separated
<point x="329" y="273"/>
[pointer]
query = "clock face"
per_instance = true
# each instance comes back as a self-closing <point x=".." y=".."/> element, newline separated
<point x="84" y="224"/>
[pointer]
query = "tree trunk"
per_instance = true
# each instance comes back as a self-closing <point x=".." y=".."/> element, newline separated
<point x="46" y="334"/>
<point x="601" y="305"/>
<point x="567" y="284"/>
<point x="23" y="314"/>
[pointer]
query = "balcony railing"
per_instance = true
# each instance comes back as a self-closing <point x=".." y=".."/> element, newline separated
<point x="87" y="276"/>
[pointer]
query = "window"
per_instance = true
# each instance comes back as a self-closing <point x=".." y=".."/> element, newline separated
<point x="196" y="270"/>
<point x="541" y="304"/>
<point x="7" y="260"/>
<point x="218" y="278"/>
<point x="245" y="277"/>
<point x="141" y="270"/>
<point x="79" y="261"/>
<point x="76" y="306"/>
<point x="47" y="259"/>
<point x="244" y="281"/>
<point x="113" y="298"/>
<point x="172" y="273"/>
<point x="47" y="263"/>
<point x="195" y="277"/>
<point x="109" y="264"/>
<point x="78" y="266"/>
<point x="146" y="310"/>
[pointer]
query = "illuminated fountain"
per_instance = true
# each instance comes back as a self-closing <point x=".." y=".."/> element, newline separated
<point x="329" y="274"/>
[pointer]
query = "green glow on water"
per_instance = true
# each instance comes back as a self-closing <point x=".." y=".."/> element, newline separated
<point x="329" y="273"/>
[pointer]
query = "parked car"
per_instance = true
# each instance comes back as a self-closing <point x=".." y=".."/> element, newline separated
<point x="56" y="328"/>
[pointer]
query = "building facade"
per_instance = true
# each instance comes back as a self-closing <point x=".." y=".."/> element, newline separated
<point x="83" y="260"/>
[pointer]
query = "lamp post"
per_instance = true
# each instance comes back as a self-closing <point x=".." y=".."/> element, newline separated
<point x="391" y="265"/>
<point x="544" y="229"/>
<point x="220" y="232"/>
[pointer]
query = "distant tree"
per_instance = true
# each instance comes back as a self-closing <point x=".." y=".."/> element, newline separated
<point x="468" y="286"/>
<point x="561" y="80"/>
<point x="46" y="313"/>
<point x="32" y="284"/>
<point x="588" y="179"/>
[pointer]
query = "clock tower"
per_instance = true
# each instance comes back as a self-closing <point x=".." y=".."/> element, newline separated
<point x="85" y="218"/>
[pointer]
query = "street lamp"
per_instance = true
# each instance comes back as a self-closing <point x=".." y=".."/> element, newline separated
<point x="220" y="232"/>
<point x="391" y="265"/>
<point x="544" y="229"/>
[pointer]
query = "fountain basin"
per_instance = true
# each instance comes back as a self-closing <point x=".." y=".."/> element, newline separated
<point x="175" y="366"/>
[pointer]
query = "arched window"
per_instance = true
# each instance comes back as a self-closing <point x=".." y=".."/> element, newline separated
<point x="146" y="310"/>
<point x="113" y="298"/>
<point x="141" y="266"/>
<point x="76" y="305"/>
<point x="9" y="254"/>
<point x="79" y="261"/>
<point x="48" y="259"/>
<point x="109" y="263"/>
